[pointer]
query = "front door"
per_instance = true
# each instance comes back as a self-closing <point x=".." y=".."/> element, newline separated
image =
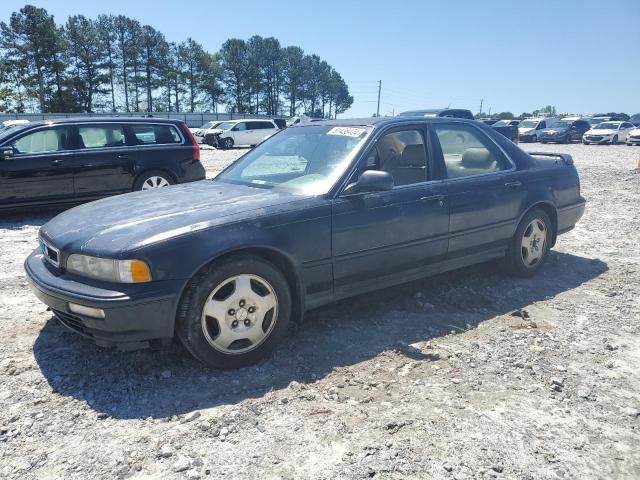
<point x="391" y="236"/>
<point x="41" y="168"/>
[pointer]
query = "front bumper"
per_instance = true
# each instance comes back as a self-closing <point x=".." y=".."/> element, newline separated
<point x="134" y="313"/>
<point x="597" y="139"/>
<point x="552" y="138"/>
<point x="633" y="140"/>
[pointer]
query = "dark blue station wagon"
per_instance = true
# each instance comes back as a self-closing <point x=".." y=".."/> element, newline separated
<point x="313" y="214"/>
<point x="74" y="160"/>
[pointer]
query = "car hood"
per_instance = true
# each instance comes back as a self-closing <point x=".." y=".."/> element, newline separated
<point x="601" y="131"/>
<point x="524" y="131"/>
<point x="635" y="131"/>
<point x="215" y="131"/>
<point x="122" y="223"/>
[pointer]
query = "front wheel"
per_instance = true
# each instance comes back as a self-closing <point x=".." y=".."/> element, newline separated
<point x="534" y="139"/>
<point x="614" y="140"/>
<point x="227" y="143"/>
<point x="529" y="247"/>
<point x="234" y="312"/>
<point x="567" y="139"/>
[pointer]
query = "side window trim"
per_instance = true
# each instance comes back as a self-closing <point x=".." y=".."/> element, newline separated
<point x="491" y="140"/>
<point x="70" y="144"/>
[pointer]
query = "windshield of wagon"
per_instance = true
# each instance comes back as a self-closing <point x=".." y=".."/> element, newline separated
<point x="306" y="159"/>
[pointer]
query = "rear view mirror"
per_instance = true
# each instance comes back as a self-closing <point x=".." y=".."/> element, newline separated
<point x="6" y="153"/>
<point x="370" y="181"/>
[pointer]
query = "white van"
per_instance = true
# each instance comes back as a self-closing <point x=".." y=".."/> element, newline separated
<point x="244" y="132"/>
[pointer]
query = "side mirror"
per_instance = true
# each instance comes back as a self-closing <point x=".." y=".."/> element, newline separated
<point x="6" y="153"/>
<point x="370" y="181"/>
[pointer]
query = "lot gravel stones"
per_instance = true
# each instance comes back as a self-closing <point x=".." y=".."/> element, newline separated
<point x="468" y="375"/>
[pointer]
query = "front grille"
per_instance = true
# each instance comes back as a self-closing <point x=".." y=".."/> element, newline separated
<point x="595" y="139"/>
<point x="73" y="323"/>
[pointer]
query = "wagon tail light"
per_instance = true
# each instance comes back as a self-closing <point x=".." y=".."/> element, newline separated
<point x="194" y="144"/>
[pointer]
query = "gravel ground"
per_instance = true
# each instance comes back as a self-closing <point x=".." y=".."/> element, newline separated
<point x="471" y="374"/>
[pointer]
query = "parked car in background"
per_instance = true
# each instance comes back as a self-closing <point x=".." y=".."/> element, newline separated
<point x="633" y="138"/>
<point x="635" y="119"/>
<point x="608" y="132"/>
<point x="529" y="128"/>
<point x="75" y="160"/>
<point x="7" y="124"/>
<point x="439" y="112"/>
<point x="489" y="121"/>
<point x="200" y="133"/>
<point x="243" y="132"/>
<point x="506" y="123"/>
<point x="315" y="214"/>
<point x="509" y="131"/>
<point x="593" y="121"/>
<point x="564" y="131"/>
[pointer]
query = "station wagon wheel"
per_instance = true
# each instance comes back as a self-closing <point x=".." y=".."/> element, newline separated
<point x="529" y="247"/>
<point x="240" y="314"/>
<point x="234" y="311"/>
<point x="152" y="179"/>
<point x="227" y="143"/>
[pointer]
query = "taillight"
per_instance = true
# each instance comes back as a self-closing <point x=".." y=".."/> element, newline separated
<point x="194" y="144"/>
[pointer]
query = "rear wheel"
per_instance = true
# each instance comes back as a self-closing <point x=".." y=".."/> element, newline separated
<point x="234" y="312"/>
<point x="153" y="179"/>
<point x="529" y="247"/>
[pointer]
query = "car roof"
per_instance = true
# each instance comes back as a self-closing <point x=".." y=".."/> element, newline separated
<point x="380" y="121"/>
<point x="114" y="119"/>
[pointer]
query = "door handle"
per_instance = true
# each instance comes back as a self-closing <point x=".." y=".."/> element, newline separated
<point x="433" y="198"/>
<point x="57" y="161"/>
<point x="123" y="156"/>
<point x="513" y="184"/>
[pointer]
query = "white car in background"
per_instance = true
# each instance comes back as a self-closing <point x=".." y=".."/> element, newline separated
<point x="7" y="124"/>
<point x="634" y="137"/>
<point x="244" y="132"/>
<point x="608" y="132"/>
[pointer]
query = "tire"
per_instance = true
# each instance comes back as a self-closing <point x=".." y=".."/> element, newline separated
<point x="152" y="179"/>
<point x="544" y="143"/>
<point x="567" y="139"/>
<point x="231" y="288"/>
<point x="614" y="140"/>
<point x="534" y="139"/>
<point x="226" y="143"/>
<point x="586" y="143"/>
<point x="529" y="230"/>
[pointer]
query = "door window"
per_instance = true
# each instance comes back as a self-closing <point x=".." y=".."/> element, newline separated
<point x="101" y="136"/>
<point x="403" y="155"/>
<point x="155" y="134"/>
<point x="467" y="152"/>
<point x="43" y="141"/>
<point x="240" y="127"/>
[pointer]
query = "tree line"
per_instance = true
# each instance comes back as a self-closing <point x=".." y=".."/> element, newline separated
<point x="115" y="63"/>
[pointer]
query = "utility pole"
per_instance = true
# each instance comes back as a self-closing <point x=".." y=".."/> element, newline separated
<point x="481" y="100"/>
<point x="379" y="88"/>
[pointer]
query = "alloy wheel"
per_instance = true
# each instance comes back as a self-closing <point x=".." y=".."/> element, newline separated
<point x="155" y="182"/>
<point x="533" y="245"/>
<point x="240" y="314"/>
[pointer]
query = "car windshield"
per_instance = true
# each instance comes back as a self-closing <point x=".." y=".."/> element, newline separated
<point x="226" y="125"/>
<point x="529" y="123"/>
<point x="208" y="125"/>
<point x="596" y="121"/>
<point x="302" y="159"/>
<point x="562" y="124"/>
<point x="502" y="123"/>
<point x="607" y="126"/>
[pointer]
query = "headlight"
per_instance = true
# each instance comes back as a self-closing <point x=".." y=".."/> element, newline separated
<point x="121" y="271"/>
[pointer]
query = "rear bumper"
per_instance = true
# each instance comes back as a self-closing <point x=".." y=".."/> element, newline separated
<point x="133" y="314"/>
<point x="192" y="172"/>
<point x="570" y="215"/>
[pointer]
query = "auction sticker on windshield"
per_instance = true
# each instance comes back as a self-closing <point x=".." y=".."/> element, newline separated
<point x="346" y="131"/>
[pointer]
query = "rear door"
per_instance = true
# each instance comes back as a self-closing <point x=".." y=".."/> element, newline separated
<point x="159" y="146"/>
<point x="242" y="134"/>
<point x="41" y="168"/>
<point x="102" y="164"/>
<point x="485" y="192"/>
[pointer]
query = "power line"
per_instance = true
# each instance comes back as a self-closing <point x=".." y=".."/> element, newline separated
<point x="379" y="90"/>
